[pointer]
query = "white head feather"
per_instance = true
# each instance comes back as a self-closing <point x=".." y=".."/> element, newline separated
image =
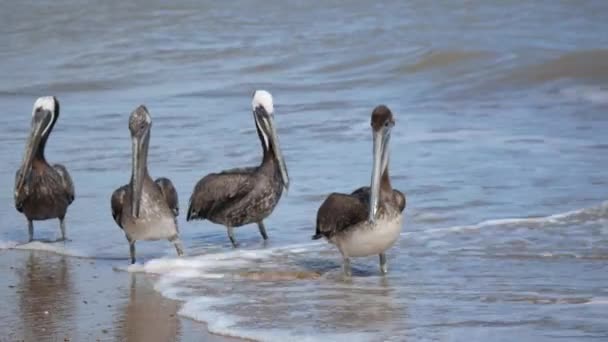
<point x="46" y="103"/>
<point x="264" y="99"/>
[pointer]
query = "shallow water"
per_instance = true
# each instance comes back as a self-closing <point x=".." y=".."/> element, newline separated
<point x="501" y="113"/>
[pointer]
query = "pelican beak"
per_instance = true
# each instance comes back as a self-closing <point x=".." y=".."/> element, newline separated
<point x="140" y="145"/>
<point x="266" y="123"/>
<point x="381" y="138"/>
<point x="41" y="121"/>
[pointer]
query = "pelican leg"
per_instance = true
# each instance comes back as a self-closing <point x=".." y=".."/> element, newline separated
<point x="231" y="236"/>
<point x="30" y="230"/>
<point x="262" y="230"/>
<point x="132" y="250"/>
<point x="62" y="227"/>
<point x="346" y="266"/>
<point x="178" y="245"/>
<point x="383" y="265"/>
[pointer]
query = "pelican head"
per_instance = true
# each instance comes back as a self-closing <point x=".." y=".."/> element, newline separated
<point x="263" y="113"/>
<point x="382" y="122"/>
<point x="44" y="116"/>
<point x="140" y="123"/>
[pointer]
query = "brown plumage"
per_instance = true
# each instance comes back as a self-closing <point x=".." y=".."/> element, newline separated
<point x="145" y="209"/>
<point x="367" y="221"/>
<point x="42" y="191"/>
<point x="165" y="186"/>
<point x="229" y="198"/>
<point x="241" y="196"/>
<point x="117" y="204"/>
<point x="339" y="212"/>
<point x="169" y="193"/>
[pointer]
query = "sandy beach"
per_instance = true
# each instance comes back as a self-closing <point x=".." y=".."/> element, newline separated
<point x="49" y="297"/>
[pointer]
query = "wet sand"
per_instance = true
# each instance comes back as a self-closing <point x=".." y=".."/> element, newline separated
<point x="49" y="297"/>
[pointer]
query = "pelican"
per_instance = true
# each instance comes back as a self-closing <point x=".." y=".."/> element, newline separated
<point x="42" y="191"/>
<point x="145" y="209"/>
<point x="369" y="220"/>
<point x="241" y="196"/>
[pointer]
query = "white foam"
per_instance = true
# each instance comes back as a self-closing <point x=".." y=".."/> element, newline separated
<point x="52" y="247"/>
<point x="205" y="264"/>
<point x="600" y="211"/>
<point x="219" y="308"/>
<point x="202" y="309"/>
<point x="264" y="99"/>
<point x="586" y="93"/>
<point x="8" y="244"/>
<point x="219" y="305"/>
<point x="598" y="301"/>
<point x="133" y="268"/>
<point x="208" y="266"/>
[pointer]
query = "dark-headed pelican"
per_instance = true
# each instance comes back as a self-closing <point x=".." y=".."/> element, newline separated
<point x="247" y="195"/>
<point x="369" y="220"/>
<point x="42" y="191"/>
<point x="145" y="209"/>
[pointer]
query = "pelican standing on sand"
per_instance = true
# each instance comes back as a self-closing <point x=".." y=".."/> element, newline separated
<point x="369" y="220"/>
<point x="247" y="195"/>
<point x="145" y="209"/>
<point x="42" y="191"/>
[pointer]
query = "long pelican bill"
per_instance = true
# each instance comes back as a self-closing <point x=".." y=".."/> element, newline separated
<point x="266" y="123"/>
<point x="380" y="157"/>
<point x="138" y="172"/>
<point x="40" y="123"/>
<point x="274" y="140"/>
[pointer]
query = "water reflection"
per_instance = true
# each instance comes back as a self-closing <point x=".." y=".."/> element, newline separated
<point x="147" y="316"/>
<point x="365" y="307"/>
<point x="46" y="298"/>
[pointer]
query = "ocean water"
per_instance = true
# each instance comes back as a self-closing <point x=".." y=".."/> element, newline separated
<point x="500" y="145"/>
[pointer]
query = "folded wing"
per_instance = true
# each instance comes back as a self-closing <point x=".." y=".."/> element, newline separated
<point x="170" y="194"/>
<point x="66" y="182"/>
<point x="339" y="212"/>
<point x="218" y="191"/>
<point x="117" y="202"/>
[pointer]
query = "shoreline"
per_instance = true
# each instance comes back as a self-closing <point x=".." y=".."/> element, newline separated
<point x="47" y="295"/>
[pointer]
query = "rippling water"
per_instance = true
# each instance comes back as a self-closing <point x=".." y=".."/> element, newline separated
<point x="501" y="110"/>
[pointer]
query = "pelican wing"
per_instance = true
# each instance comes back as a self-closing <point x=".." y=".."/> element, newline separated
<point x="19" y="194"/>
<point x="341" y="211"/>
<point x="400" y="197"/>
<point x="170" y="194"/>
<point x="364" y="192"/>
<point x="118" y="200"/>
<point x="66" y="181"/>
<point x="217" y="191"/>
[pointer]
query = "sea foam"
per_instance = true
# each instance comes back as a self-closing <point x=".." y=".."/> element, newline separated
<point x="52" y="247"/>
<point x="214" y="290"/>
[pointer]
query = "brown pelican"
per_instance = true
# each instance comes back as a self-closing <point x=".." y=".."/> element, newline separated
<point x="247" y="195"/>
<point x="42" y="191"/>
<point x="369" y="220"/>
<point x="145" y="209"/>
